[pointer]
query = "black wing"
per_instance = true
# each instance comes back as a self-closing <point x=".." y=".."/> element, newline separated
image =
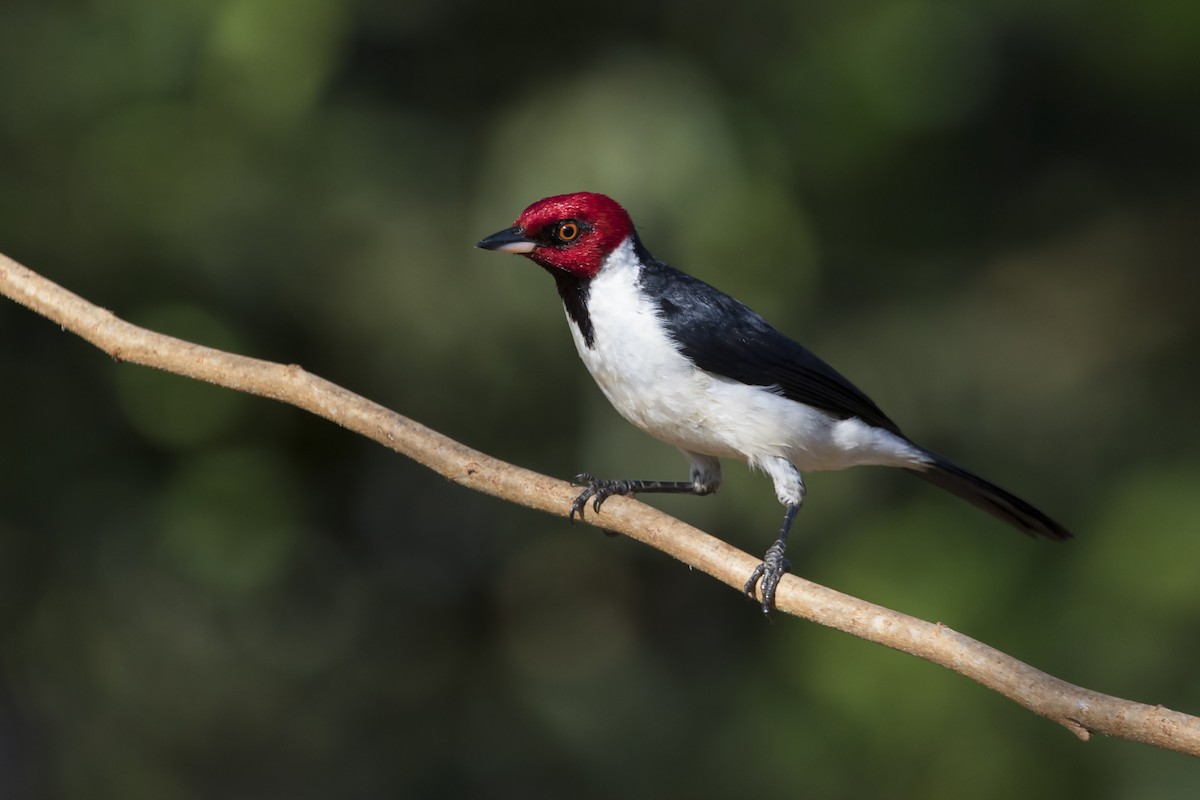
<point x="725" y="337"/>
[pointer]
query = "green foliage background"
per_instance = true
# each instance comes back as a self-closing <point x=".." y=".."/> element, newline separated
<point x="985" y="213"/>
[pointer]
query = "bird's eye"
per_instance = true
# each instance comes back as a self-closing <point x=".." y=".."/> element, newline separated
<point x="567" y="231"/>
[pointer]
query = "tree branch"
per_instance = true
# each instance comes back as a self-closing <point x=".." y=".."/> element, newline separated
<point x="1080" y="710"/>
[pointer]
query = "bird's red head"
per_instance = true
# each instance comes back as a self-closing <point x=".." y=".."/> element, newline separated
<point x="570" y="232"/>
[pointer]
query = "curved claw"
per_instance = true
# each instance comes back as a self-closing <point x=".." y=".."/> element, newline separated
<point x="752" y="583"/>
<point x="597" y="491"/>
<point x="766" y="577"/>
<point x="579" y="505"/>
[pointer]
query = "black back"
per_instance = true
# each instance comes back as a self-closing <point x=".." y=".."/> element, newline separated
<point x="722" y="336"/>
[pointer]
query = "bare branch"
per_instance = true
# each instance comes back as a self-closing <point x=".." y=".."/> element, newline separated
<point x="1080" y="710"/>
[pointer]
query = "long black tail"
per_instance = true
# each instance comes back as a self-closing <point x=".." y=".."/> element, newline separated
<point x="991" y="498"/>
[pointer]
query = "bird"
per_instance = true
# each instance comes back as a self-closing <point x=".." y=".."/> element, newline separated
<point x="695" y="368"/>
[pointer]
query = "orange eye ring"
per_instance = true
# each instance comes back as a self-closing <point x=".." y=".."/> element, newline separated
<point x="568" y="231"/>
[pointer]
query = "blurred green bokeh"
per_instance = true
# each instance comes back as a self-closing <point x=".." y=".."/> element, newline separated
<point x="986" y="213"/>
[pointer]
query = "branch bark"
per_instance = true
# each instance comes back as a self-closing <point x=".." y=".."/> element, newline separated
<point x="1082" y="711"/>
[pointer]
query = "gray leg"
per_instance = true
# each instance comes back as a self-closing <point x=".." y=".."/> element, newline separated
<point x="789" y="488"/>
<point x="706" y="479"/>
<point x="774" y="565"/>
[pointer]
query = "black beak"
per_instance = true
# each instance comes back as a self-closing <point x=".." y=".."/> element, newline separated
<point x="509" y="240"/>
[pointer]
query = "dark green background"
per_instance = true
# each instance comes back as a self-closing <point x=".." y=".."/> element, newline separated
<point x="985" y="213"/>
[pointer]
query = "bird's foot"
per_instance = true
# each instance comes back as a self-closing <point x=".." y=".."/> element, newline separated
<point x="597" y="491"/>
<point x="766" y="577"/>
